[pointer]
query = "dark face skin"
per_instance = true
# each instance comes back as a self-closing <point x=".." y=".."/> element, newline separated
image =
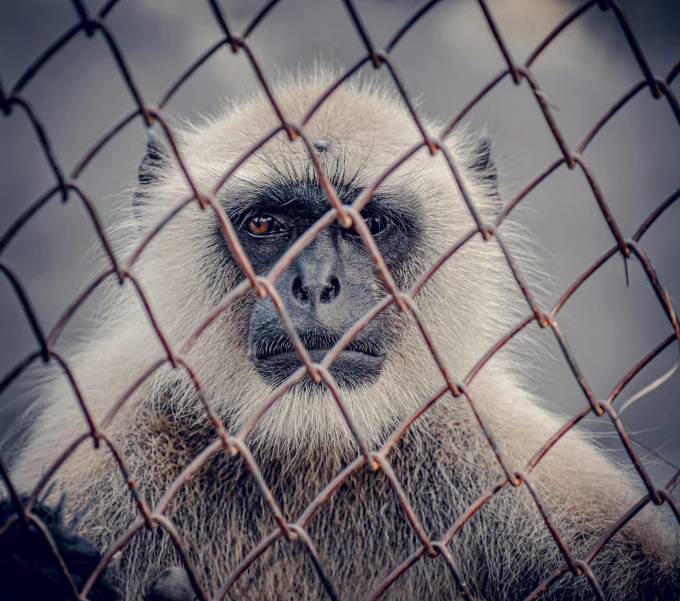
<point x="329" y="286"/>
<point x="333" y="282"/>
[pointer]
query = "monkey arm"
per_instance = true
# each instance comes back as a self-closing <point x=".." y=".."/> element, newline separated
<point x="585" y="494"/>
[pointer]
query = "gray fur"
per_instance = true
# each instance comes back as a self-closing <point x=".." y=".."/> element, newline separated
<point x="444" y="463"/>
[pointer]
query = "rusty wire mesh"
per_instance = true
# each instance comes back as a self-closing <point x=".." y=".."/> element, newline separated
<point x="67" y="184"/>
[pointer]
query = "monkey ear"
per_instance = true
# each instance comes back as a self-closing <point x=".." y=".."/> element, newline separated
<point x="485" y="169"/>
<point x="147" y="174"/>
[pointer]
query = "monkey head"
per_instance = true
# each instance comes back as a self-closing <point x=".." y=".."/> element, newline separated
<point x="271" y="198"/>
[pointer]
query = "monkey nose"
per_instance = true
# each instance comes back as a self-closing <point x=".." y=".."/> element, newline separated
<point x="311" y="295"/>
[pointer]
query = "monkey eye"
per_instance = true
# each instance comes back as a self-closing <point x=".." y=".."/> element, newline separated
<point x="376" y="223"/>
<point x="264" y="225"/>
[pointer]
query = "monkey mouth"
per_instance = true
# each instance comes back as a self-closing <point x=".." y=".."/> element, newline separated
<point x="358" y="364"/>
<point x="314" y="344"/>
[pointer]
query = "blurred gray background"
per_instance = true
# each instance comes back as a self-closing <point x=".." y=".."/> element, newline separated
<point x="444" y="60"/>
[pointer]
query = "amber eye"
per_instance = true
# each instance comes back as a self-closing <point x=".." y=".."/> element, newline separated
<point x="264" y="225"/>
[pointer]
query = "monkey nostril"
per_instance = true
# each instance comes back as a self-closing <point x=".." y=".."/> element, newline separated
<point x="300" y="293"/>
<point x="322" y="294"/>
<point x="330" y="292"/>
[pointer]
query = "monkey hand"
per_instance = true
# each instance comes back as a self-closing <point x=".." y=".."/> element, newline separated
<point x="28" y="566"/>
<point x="172" y="584"/>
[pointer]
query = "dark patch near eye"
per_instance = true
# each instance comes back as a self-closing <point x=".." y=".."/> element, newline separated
<point x="396" y="232"/>
<point x="297" y="202"/>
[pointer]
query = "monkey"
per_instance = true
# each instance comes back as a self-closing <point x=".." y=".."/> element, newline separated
<point x="443" y="462"/>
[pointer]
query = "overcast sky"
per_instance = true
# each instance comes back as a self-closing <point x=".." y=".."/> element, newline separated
<point x="444" y="60"/>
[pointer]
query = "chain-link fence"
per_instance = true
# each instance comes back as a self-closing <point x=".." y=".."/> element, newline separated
<point x="67" y="187"/>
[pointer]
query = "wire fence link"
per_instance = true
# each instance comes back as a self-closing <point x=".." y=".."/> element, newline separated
<point x="66" y="185"/>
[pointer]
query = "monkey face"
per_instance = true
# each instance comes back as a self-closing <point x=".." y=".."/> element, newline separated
<point x="329" y="286"/>
<point x="272" y="198"/>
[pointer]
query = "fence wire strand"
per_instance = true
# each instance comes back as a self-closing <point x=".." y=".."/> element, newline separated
<point x="66" y="186"/>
